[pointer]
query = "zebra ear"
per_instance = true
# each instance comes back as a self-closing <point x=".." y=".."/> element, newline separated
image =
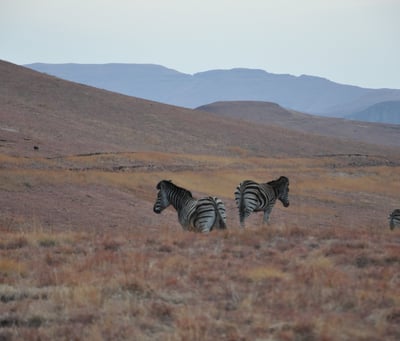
<point x="283" y="179"/>
<point x="159" y="184"/>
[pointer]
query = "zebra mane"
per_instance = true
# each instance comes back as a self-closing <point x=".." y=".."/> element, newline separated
<point x="275" y="184"/>
<point x="169" y="184"/>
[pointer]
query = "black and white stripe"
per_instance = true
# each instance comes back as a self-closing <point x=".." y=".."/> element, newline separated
<point x="251" y="196"/>
<point x="202" y="215"/>
<point x="394" y="219"/>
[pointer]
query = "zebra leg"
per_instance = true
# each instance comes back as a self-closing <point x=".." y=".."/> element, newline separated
<point x="241" y="219"/>
<point x="267" y="212"/>
<point x="266" y="217"/>
<point x="244" y="212"/>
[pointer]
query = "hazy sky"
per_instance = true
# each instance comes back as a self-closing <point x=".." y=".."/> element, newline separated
<point x="348" y="41"/>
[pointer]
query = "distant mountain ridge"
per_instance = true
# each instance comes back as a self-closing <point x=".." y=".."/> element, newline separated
<point x="308" y="94"/>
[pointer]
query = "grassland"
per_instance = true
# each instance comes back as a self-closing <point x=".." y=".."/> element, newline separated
<point x="83" y="257"/>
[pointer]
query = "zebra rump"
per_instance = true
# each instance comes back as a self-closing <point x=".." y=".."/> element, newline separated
<point x="208" y="209"/>
<point x="251" y="196"/>
<point x="394" y="219"/>
<point x="202" y="215"/>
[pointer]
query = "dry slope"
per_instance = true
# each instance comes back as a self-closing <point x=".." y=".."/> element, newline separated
<point x="62" y="117"/>
<point x="273" y="114"/>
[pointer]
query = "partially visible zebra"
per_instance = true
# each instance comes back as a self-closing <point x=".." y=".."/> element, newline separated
<point x="394" y="219"/>
<point x="251" y="196"/>
<point x="202" y="215"/>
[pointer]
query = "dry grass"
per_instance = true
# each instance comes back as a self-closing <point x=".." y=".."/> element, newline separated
<point x="326" y="268"/>
<point x="83" y="256"/>
<point x="243" y="284"/>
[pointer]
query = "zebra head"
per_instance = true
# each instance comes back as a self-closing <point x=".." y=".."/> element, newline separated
<point x="281" y="187"/>
<point x="162" y="201"/>
<point x="170" y="194"/>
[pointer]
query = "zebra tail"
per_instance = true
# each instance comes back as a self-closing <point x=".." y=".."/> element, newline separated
<point x="219" y="219"/>
<point x="221" y="222"/>
<point x="242" y="207"/>
<point x="241" y="214"/>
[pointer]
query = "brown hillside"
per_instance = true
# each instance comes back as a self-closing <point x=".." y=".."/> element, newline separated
<point x="61" y="117"/>
<point x="83" y="255"/>
<point x="273" y="114"/>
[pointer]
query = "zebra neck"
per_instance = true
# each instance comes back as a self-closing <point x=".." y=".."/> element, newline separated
<point x="180" y="200"/>
<point x="267" y="187"/>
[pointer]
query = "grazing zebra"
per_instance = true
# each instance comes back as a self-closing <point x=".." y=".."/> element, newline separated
<point x="251" y="196"/>
<point x="394" y="219"/>
<point x="200" y="215"/>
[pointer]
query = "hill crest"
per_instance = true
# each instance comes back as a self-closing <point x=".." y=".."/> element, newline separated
<point x="304" y="93"/>
<point x="385" y="112"/>
<point x="272" y="114"/>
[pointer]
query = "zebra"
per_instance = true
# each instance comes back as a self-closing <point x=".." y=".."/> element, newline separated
<point x="202" y="215"/>
<point x="394" y="219"/>
<point x="251" y="196"/>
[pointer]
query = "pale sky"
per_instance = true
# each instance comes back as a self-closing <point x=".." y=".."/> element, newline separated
<point x="347" y="41"/>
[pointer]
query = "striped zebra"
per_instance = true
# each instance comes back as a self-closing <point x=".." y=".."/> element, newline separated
<point x="251" y="196"/>
<point x="202" y="215"/>
<point x="394" y="219"/>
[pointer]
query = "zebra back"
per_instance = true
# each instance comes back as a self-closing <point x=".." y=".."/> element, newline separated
<point x="251" y="196"/>
<point x="194" y="215"/>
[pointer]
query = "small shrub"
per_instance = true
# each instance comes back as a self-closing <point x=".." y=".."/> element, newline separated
<point x="162" y="311"/>
<point x="265" y="272"/>
<point x="304" y="332"/>
<point x="35" y="322"/>
<point x="14" y="244"/>
<point x="111" y="245"/>
<point x="394" y="317"/>
<point x="47" y="242"/>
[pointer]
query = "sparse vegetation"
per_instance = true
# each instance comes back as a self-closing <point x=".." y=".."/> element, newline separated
<point x="83" y="256"/>
<point x="326" y="269"/>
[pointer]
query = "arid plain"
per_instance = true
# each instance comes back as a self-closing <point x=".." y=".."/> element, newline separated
<point x="83" y="256"/>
